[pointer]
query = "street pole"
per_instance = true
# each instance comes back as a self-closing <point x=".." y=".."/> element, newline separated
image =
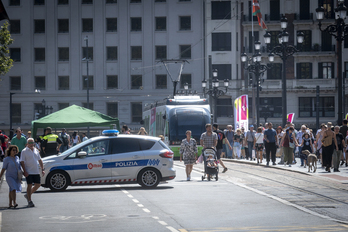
<point x="257" y="75"/>
<point x="210" y="87"/>
<point x="87" y="59"/>
<point x="11" y="130"/>
<point x="339" y="78"/>
<point x="317" y="106"/>
<point x="284" y="102"/>
<point x="344" y="94"/>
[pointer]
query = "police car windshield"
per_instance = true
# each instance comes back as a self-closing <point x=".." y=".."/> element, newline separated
<point x="74" y="147"/>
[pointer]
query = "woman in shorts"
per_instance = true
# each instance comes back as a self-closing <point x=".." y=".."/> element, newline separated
<point x="258" y="144"/>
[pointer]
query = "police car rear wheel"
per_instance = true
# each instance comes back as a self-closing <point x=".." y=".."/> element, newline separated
<point x="58" y="181"/>
<point x="149" y="178"/>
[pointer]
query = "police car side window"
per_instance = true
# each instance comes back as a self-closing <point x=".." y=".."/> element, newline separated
<point x="97" y="148"/>
<point x="146" y="144"/>
<point x="124" y="145"/>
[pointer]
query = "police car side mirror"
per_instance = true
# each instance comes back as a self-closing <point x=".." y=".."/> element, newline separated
<point x="82" y="154"/>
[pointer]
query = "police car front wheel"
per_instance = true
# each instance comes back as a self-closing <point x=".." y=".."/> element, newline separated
<point x="58" y="181"/>
<point x="149" y="178"/>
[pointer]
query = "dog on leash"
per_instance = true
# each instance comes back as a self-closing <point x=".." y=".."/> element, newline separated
<point x="311" y="160"/>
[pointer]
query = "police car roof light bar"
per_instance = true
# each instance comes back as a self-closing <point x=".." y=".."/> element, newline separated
<point x="110" y="132"/>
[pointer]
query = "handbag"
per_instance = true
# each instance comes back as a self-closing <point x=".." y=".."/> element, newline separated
<point x="200" y="159"/>
<point x="19" y="172"/>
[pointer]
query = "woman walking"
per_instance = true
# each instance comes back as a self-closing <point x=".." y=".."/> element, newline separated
<point x="11" y="165"/>
<point x="75" y="138"/>
<point x="318" y="144"/>
<point x="288" y="143"/>
<point x="306" y="145"/>
<point x="188" y="151"/>
<point x="237" y="142"/>
<point x="258" y="144"/>
<point x="327" y="147"/>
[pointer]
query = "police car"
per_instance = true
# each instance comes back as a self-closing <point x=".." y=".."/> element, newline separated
<point x="110" y="159"/>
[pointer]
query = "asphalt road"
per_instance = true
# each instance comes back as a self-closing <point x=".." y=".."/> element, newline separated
<point x="246" y="198"/>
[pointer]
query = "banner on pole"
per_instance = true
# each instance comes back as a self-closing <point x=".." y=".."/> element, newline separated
<point x="290" y="117"/>
<point x="241" y="112"/>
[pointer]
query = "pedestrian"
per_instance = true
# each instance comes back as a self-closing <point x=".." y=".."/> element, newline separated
<point x="50" y="143"/>
<point x="65" y="138"/>
<point x="346" y="151"/>
<point x="84" y="137"/>
<point x="338" y="152"/>
<point x="30" y="161"/>
<point x="125" y="130"/>
<point x="188" y="153"/>
<point x="299" y="137"/>
<point x="75" y="138"/>
<point x="244" y="146"/>
<point x="258" y="144"/>
<point x="3" y="145"/>
<point x="229" y="135"/>
<point x="237" y="143"/>
<point x="29" y="134"/>
<point x="344" y="131"/>
<point x="271" y="143"/>
<point x="142" y="131"/>
<point x="306" y="144"/>
<point x="19" y="140"/>
<point x="11" y="165"/>
<point x="327" y="147"/>
<point x="318" y="145"/>
<point x="280" y="152"/>
<point x="163" y="139"/>
<point x="288" y="143"/>
<point x="249" y="139"/>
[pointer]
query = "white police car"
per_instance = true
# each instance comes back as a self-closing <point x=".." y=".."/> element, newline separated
<point x="110" y="159"/>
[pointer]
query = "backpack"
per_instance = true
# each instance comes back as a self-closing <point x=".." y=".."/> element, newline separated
<point x="64" y="139"/>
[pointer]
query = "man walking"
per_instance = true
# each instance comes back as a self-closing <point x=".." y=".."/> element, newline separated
<point x="84" y="137"/>
<point x="270" y="138"/>
<point x="19" y="140"/>
<point x="338" y="153"/>
<point x="229" y="135"/>
<point x="219" y="145"/>
<point x="30" y="158"/>
<point x="50" y="143"/>
<point x="249" y="138"/>
<point x="65" y="138"/>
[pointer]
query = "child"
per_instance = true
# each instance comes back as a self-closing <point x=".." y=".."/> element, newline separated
<point x="211" y="161"/>
<point x="306" y="145"/>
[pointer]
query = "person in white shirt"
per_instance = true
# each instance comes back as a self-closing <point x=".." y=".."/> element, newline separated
<point x="30" y="158"/>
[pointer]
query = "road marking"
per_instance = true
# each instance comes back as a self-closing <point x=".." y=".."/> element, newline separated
<point x="135" y="200"/>
<point x="162" y="223"/>
<point x="130" y="196"/>
<point x="0" y="221"/>
<point x="156" y="218"/>
<point x="183" y="230"/>
<point x="146" y="210"/>
<point x="140" y="205"/>
<point x="124" y="191"/>
<point x="172" y="229"/>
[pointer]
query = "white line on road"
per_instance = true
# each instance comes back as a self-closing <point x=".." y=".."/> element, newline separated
<point x="0" y="221"/>
<point x="125" y="192"/>
<point x="156" y="218"/>
<point x="140" y="205"/>
<point x="172" y="229"/>
<point x="130" y="196"/>
<point x="162" y="223"/>
<point x="146" y="210"/>
<point x="135" y="200"/>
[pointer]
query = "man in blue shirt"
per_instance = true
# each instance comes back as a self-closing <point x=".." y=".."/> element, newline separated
<point x="271" y="143"/>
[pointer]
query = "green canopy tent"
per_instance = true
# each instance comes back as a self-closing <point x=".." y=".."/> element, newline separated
<point x="72" y="117"/>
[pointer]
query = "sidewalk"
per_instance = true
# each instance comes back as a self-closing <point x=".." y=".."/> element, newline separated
<point x="341" y="176"/>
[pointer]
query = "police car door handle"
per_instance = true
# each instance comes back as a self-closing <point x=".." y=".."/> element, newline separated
<point x="135" y="157"/>
<point x="103" y="161"/>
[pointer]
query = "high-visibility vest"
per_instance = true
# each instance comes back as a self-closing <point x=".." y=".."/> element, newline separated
<point x="50" y="138"/>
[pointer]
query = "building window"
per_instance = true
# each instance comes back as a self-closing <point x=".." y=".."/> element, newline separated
<point x="161" y="52"/>
<point x="90" y="82"/>
<point x="307" y="106"/>
<point x="111" y="24"/>
<point x="185" y="51"/>
<point x="40" y="83"/>
<point x="111" y="1"/>
<point x="16" y="113"/>
<point x="326" y="70"/>
<point x="63" y="2"/>
<point x="274" y="6"/>
<point x="270" y="107"/>
<point x="87" y="2"/>
<point x="112" y="81"/>
<point x="224" y="107"/>
<point x="39" y="2"/>
<point x="136" y="24"/>
<point x="221" y="41"/>
<point x="307" y="42"/>
<point x="87" y="25"/>
<point x="252" y="41"/>
<point x="274" y="39"/>
<point x="275" y="73"/>
<point x="161" y="81"/>
<point x="39" y="26"/>
<point x="15" y="26"/>
<point x="304" y="70"/>
<point x="304" y="10"/>
<point x="91" y="105"/>
<point x="90" y="53"/>
<point x="224" y="71"/>
<point x="62" y="106"/>
<point x="328" y="6"/>
<point x="63" y="54"/>
<point x="136" y="53"/>
<point x="161" y="23"/>
<point x="186" y="78"/>
<point x="15" y="54"/>
<point x="63" y="82"/>
<point x="220" y="10"/>
<point x="63" y="25"/>
<point x="136" y="82"/>
<point x="326" y="42"/>
<point x="15" y="83"/>
<point x="135" y="1"/>
<point x="160" y="0"/>
<point x="112" y="109"/>
<point x="39" y="54"/>
<point x="185" y="23"/>
<point x="111" y="53"/>
<point x="137" y="111"/>
<point x="14" y="2"/>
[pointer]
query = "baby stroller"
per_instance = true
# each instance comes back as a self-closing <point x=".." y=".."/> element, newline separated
<point x="210" y="170"/>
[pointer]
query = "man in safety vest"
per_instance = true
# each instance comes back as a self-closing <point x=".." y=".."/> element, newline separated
<point x="50" y="143"/>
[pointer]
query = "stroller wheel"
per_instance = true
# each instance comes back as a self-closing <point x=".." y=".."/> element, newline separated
<point x="202" y="178"/>
<point x="208" y="177"/>
<point x="217" y="177"/>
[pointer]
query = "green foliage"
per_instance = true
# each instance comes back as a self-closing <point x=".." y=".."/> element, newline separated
<point x="5" y="41"/>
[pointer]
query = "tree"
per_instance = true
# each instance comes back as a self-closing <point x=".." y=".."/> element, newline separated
<point x="5" y="41"/>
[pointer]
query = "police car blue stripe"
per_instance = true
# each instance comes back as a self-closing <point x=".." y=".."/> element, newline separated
<point x="70" y="167"/>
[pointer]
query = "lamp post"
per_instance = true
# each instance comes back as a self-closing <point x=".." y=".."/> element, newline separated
<point x="11" y="129"/>
<point x="253" y="65"/>
<point x="87" y="79"/>
<point x="339" y="30"/>
<point x="284" y="50"/>
<point x="215" y="92"/>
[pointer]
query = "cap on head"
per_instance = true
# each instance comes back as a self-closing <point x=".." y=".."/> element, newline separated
<point x="251" y="126"/>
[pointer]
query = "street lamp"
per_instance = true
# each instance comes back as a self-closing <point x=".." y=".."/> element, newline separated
<point x="284" y="50"/>
<point x="87" y="79"/>
<point x="253" y="65"/>
<point x="215" y="92"/>
<point x="339" y="30"/>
